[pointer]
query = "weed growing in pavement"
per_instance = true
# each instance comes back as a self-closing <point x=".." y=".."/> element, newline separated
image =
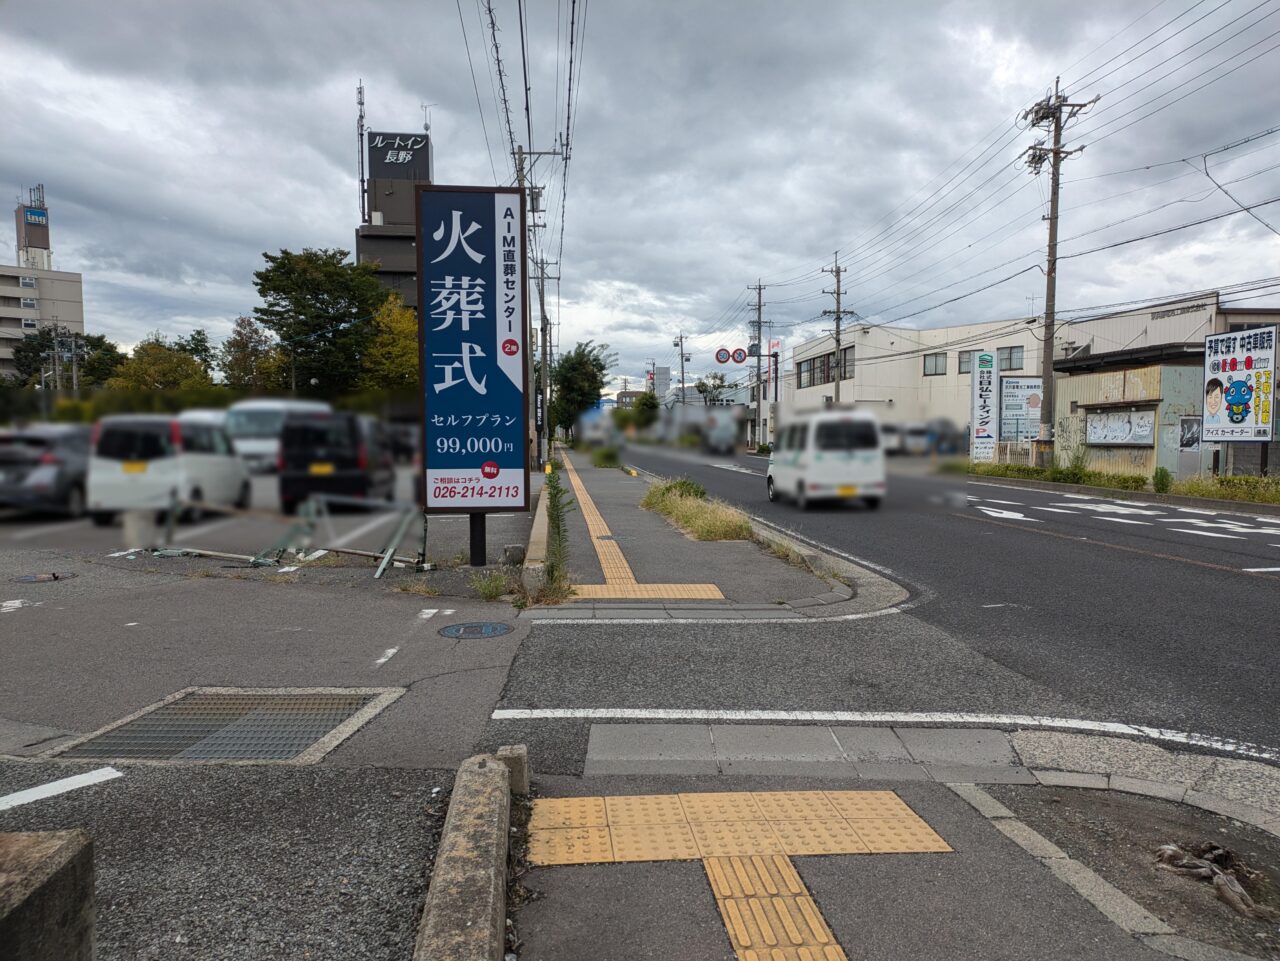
<point x="555" y="570"/>
<point x="783" y="552"/>
<point x="685" y="504"/>
<point x="605" y="457"/>
<point x="1161" y="480"/>
<point x="1063" y="475"/>
<point x="1239" y="487"/>
<point x="419" y="587"/>
<point x="281" y="578"/>
<point x="490" y="585"/>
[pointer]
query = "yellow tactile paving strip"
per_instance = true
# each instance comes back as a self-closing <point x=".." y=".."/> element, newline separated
<point x="619" y="581"/>
<point x="743" y="839"/>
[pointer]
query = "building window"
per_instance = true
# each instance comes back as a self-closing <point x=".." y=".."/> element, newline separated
<point x="30" y="323"/>
<point x="25" y="281"/>
<point x="846" y="363"/>
<point x="804" y="373"/>
<point x="935" y="364"/>
<point x="1010" y="358"/>
<point x="30" y="303"/>
<point x="966" y="361"/>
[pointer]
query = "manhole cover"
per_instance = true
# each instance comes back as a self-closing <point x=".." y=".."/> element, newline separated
<point x="208" y="725"/>
<point x="478" y="630"/>
<point x="43" y="578"/>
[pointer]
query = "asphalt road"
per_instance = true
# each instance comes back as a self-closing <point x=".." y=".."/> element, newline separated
<point x="1143" y="614"/>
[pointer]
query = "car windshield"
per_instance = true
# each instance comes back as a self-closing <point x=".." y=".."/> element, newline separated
<point x="147" y="441"/>
<point x="316" y="432"/>
<point x="846" y="435"/>
<point x="255" y="423"/>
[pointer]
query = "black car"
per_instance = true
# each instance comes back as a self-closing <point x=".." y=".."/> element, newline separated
<point x="334" y="453"/>
<point x="43" y="468"/>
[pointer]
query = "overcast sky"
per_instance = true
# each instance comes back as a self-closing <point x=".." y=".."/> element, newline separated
<point x="713" y="144"/>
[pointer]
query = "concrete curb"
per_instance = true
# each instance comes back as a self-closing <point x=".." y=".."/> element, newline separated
<point x="1117" y="906"/>
<point x="535" y="556"/>
<point x="465" y="914"/>
<point x="1173" y="500"/>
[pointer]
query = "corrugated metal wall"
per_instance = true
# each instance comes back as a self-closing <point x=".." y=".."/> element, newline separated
<point x="1138" y="386"/>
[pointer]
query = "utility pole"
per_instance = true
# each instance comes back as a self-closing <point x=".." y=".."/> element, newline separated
<point x="1051" y="114"/>
<point x="678" y="343"/>
<point x="758" y="327"/>
<point x="836" y="270"/>
<point x="75" y="362"/>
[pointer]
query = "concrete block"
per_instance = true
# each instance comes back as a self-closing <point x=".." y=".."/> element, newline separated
<point x="1071" y="779"/>
<point x="805" y="602"/>
<point x="1035" y="844"/>
<point x="890" y="771"/>
<point x="761" y="767"/>
<point x="606" y="767"/>
<point x="516" y="758"/>
<point x="650" y="742"/>
<point x="46" y="896"/>
<point x="1248" y="782"/>
<point x="957" y="745"/>
<point x="465" y="915"/>
<point x="871" y="744"/>
<point x="981" y="801"/>
<point x="24" y="740"/>
<point x="513" y="555"/>
<point x="1103" y="754"/>
<point x="1107" y="898"/>
<point x="1228" y="808"/>
<point x="1136" y="785"/>
<point x="776" y="742"/>
<point x="1177" y="946"/>
<point x="980" y="774"/>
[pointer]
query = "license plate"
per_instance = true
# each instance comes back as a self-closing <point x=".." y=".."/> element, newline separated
<point x="321" y="469"/>
<point x="848" y="490"/>
<point x="134" y="467"/>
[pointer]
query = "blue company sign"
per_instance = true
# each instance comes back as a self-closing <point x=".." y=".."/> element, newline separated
<point x="34" y="215"/>
<point x="471" y="324"/>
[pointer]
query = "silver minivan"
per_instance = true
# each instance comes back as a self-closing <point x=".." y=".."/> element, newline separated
<point x="834" y="455"/>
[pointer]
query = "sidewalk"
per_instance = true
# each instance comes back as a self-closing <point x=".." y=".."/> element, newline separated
<point x="627" y="562"/>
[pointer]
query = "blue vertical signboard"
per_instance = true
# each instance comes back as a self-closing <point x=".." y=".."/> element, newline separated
<point x="471" y="324"/>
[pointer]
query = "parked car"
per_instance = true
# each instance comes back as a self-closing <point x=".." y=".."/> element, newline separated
<point x="254" y="427"/>
<point x="915" y="439"/>
<point x="891" y="438"/>
<point x="43" y="467"/>
<point x="334" y="453"/>
<point x="140" y="461"/>
<point x="831" y="455"/>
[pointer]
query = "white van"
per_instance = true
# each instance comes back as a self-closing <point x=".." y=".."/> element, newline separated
<point x="255" y="426"/>
<point x="139" y="461"/>
<point x="831" y="455"/>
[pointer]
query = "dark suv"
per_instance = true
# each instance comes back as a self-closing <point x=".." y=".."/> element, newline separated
<point x="43" y="468"/>
<point x="336" y="453"/>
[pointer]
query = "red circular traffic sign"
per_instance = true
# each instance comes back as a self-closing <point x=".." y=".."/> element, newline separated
<point x="722" y="355"/>
<point x="510" y="347"/>
<point x="739" y="356"/>
<point x="489" y="469"/>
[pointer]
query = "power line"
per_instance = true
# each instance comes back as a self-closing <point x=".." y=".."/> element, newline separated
<point x="483" y="125"/>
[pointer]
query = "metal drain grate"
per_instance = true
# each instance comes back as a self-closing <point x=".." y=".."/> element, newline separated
<point x="229" y="725"/>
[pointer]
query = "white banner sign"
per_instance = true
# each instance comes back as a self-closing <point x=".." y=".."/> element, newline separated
<point x="984" y="414"/>
<point x="1239" y="385"/>
<point x="1020" y="399"/>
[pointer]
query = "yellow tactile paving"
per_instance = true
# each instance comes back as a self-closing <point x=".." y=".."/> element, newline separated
<point x="654" y="842"/>
<point x="721" y="806"/>
<point x="570" y="846"/>
<point x="743" y="839"/>
<point x="567" y="812"/>
<point x="869" y="804"/>
<point x="619" y="580"/>
<point x="755" y="876"/>
<point x="834" y="836"/>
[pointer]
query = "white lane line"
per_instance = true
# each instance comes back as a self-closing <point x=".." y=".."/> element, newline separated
<point x="187" y="536"/>
<point x="1122" y="520"/>
<point x="58" y="787"/>
<point x="1188" y="530"/>
<point x="48" y="529"/>
<point x="287" y="570"/>
<point x="1195" y="510"/>
<point x="315" y="555"/>
<point x="1226" y="745"/>
<point x="1256" y="570"/>
<point x="8" y="607"/>
<point x="387" y="655"/>
<point x="1055" y="510"/>
<point x="132" y="624"/>
<point x="739" y="469"/>
<point x="995" y="605"/>
<point x="1007" y="515"/>
<point x="991" y="500"/>
<point x="363" y="529"/>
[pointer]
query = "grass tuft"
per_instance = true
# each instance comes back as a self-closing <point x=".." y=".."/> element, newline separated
<point x="685" y="504"/>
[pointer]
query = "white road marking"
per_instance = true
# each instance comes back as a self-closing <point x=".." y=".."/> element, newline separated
<point x="58" y="787"/>
<point x="387" y="655"/>
<point x="32" y="532"/>
<point x="995" y="605"/>
<point x="315" y="555"/>
<point x="1110" y="507"/>
<point x="363" y="529"/>
<point x="1196" y="510"/>
<point x="1007" y="515"/>
<point x="738" y="468"/>
<point x="1010" y="503"/>
<point x="427" y="614"/>
<point x="1123" y="520"/>
<point x="8" y="607"/>
<point x="132" y="624"/>
<point x="972" y="498"/>
<point x="186" y="537"/>
<point x="1056" y="510"/>
<point x="1188" y="530"/>
<point x="1226" y="745"/>
<point x="132" y="550"/>
<point x="1255" y="570"/>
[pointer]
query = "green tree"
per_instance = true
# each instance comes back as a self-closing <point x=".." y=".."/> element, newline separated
<point x="577" y="381"/>
<point x="99" y="358"/>
<point x="198" y="345"/>
<point x="391" y="359"/>
<point x="321" y="308"/>
<point x="249" y="358"/>
<point x="156" y="365"/>
<point x="645" y="410"/>
<point x="711" y="387"/>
